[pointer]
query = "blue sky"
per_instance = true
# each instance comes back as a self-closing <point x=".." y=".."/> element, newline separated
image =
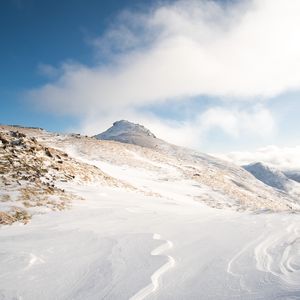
<point x="217" y="76"/>
<point x="36" y="32"/>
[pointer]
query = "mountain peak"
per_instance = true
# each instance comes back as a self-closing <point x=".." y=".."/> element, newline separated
<point x="268" y="175"/>
<point x="119" y="127"/>
<point x="128" y="132"/>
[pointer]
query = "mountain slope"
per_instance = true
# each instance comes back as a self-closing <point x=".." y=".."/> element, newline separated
<point x="275" y="178"/>
<point x="223" y="178"/>
<point x="269" y="176"/>
<point x="148" y="222"/>
<point x="158" y="168"/>
<point x="294" y="175"/>
<point x="31" y="175"/>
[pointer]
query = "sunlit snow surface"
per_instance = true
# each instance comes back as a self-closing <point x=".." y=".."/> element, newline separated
<point x="118" y="245"/>
<point x="126" y="244"/>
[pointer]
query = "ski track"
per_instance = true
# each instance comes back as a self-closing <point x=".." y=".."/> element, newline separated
<point x="154" y="285"/>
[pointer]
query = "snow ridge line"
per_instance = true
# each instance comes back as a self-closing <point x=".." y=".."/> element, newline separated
<point x="154" y="285"/>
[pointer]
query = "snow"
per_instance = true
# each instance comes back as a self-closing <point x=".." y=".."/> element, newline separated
<point x="154" y="285"/>
<point x="294" y="175"/>
<point x="274" y="178"/>
<point x="159" y="240"/>
<point x="128" y="132"/>
<point x="268" y="175"/>
<point x="119" y="244"/>
<point x="124" y="127"/>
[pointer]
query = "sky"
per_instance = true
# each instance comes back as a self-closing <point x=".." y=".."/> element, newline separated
<point x="218" y="76"/>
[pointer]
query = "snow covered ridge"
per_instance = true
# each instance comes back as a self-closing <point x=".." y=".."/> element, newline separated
<point x="30" y="175"/>
<point x="131" y="133"/>
<point x="39" y="168"/>
<point x="294" y="175"/>
<point x="268" y="175"/>
<point x="224" y="180"/>
<point x="275" y="178"/>
<point x="148" y="227"/>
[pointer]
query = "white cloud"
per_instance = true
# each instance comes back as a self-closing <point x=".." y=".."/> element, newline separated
<point x="194" y="132"/>
<point x="284" y="158"/>
<point x="176" y="132"/>
<point x="199" y="48"/>
<point x="235" y="122"/>
<point x="243" y="51"/>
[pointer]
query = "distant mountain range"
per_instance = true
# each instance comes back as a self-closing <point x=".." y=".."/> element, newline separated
<point x="286" y="182"/>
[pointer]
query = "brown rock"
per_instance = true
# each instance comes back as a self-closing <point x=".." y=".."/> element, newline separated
<point x="6" y="219"/>
<point x="48" y="153"/>
<point x="4" y="140"/>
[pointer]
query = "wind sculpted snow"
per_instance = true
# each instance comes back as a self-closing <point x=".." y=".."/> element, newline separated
<point x="164" y="223"/>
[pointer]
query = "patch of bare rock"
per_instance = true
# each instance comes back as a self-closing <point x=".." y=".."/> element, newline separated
<point x="29" y="177"/>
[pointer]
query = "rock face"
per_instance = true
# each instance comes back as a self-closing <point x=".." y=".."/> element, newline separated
<point x="29" y="172"/>
<point x="31" y="175"/>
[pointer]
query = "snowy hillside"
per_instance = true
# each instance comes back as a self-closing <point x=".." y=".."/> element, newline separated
<point x="274" y="178"/>
<point x="240" y="190"/>
<point x="31" y="174"/>
<point x="269" y="176"/>
<point x="130" y="216"/>
<point x="220" y="184"/>
<point x="292" y="174"/>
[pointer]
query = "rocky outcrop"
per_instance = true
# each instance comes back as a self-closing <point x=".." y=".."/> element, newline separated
<point x="32" y="175"/>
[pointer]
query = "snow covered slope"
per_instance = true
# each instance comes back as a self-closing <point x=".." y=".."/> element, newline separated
<point x="292" y="174"/>
<point x="30" y="174"/>
<point x="274" y="178"/>
<point x="148" y="227"/>
<point x="151" y="169"/>
<point x="232" y="183"/>
<point x="269" y="176"/>
<point x="127" y="132"/>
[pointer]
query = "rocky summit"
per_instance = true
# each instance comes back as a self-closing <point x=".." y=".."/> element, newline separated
<point x="127" y="132"/>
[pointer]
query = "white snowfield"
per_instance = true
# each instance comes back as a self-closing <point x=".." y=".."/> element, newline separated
<point x="120" y="245"/>
<point x="163" y="240"/>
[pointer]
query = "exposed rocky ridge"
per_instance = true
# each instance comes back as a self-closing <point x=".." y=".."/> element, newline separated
<point x="30" y="174"/>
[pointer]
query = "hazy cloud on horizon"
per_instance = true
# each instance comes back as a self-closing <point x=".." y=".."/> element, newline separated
<point x="240" y="52"/>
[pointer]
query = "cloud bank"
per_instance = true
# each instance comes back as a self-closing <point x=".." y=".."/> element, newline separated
<point x="247" y="51"/>
<point x="283" y="158"/>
